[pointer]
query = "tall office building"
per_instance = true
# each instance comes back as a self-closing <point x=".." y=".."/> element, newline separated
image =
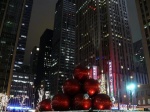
<point x="34" y="61"/>
<point x="33" y="67"/>
<point x="3" y="5"/>
<point x="63" y="42"/>
<point x="140" y="71"/>
<point x="14" y="23"/>
<point x="40" y="64"/>
<point x="143" y="10"/>
<point x="104" y="40"/>
<point x="22" y="87"/>
<point x="44" y="59"/>
<point x="20" y="52"/>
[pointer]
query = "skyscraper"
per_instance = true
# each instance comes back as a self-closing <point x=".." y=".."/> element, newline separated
<point x="44" y="59"/>
<point x="33" y="67"/>
<point x="23" y="34"/>
<point x="22" y="86"/>
<point x="63" y="41"/>
<point x="143" y="10"/>
<point x="41" y="63"/>
<point x="140" y="64"/>
<point x="104" y="40"/>
<point x="34" y="60"/>
<point x="3" y="5"/>
<point x="14" y="23"/>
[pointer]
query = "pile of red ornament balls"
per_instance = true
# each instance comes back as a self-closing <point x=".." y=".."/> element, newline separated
<point x="79" y="93"/>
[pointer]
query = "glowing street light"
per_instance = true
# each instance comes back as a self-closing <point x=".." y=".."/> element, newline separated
<point x="131" y="88"/>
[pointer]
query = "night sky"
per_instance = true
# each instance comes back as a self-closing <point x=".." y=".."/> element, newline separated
<point x="43" y="17"/>
<point x="133" y="20"/>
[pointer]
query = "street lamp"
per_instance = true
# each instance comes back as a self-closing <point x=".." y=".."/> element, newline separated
<point x="131" y="88"/>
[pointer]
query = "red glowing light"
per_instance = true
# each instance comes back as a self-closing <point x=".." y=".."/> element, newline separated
<point x="71" y="87"/>
<point x="60" y="102"/>
<point x="91" y="86"/>
<point x="80" y="103"/>
<point x="81" y="73"/>
<point x="45" y="105"/>
<point x="101" y="102"/>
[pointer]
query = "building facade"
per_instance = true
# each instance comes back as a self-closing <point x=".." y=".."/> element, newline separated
<point x="143" y="97"/>
<point x="34" y="60"/>
<point x="143" y="10"/>
<point x="14" y="25"/>
<point x="63" y="52"/>
<point x="20" y="52"/>
<point x="140" y="72"/>
<point x="103" y="39"/>
<point x="22" y="90"/>
<point x="33" y="67"/>
<point x="44" y="60"/>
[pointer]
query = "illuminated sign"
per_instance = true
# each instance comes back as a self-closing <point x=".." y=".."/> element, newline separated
<point x="95" y="72"/>
<point x="110" y="78"/>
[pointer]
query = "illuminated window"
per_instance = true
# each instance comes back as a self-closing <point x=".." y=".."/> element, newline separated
<point x="20" y="76"/>
<point x="3" y="42"/>
<point x="19" y="62"/>
<point x="121" y="67"/>
<point x="148" y="100"/>
<point x="143" y="101"/>
<point x="23" y="36"/>
<point x="14" y="75"/>
<point x="26" y="77"/>
<point x="37" y="49"/>
<point x="139" y="102"/>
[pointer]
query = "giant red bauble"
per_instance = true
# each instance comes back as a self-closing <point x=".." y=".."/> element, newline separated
<point x="81" y="73"/>
<point x="101" y="102"/>
<point x="81" y="102"/>
<point x="45" y="105"/>
<point x="60" y="102"/>
<point x="91" y="87"/>
<point x="71" y="87"/>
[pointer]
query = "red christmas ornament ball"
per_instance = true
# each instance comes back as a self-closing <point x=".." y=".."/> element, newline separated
<point x="91" y="86"/>
<point x="81" y="73"/>
<point x="82" y="102"/>
<point x="71" y="87"/>
<point x="101" y="102"/>
<point x="45" y="105"/>
<point x="60" y="102"/>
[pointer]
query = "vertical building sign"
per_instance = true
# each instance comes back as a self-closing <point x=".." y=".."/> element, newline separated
<point x="110" y="79"/>
<point x="95" y="72"/>
<point x="103" y="84"/>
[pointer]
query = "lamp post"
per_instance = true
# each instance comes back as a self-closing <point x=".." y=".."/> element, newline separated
<point x="131" y="88"/>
